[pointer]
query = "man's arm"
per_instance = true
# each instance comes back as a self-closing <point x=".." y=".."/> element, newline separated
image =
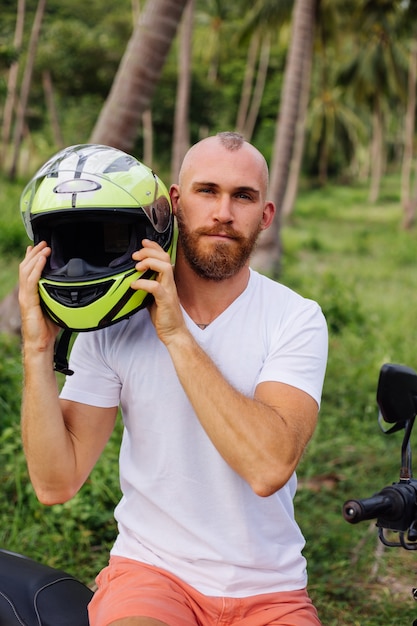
<point x="62" y="440"/>
<point x="261" y="438"/>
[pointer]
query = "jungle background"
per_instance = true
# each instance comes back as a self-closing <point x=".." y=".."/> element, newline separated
<point x="326" y="90"/>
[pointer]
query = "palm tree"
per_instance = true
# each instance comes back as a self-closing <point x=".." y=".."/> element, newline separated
<point x="262" y="19"/>
<point x="407" y="201"/>
<point x="217" y="17"/>
<point x="334" y="127"/>
<point x="376" y="74"/>
<point x="268" y="254"/>
<point x="10" y="103"/>
<point x="181" y="139"/>
<point x="409" y="196"/>
<point x="138" y="74"/>
<point x="25" y="87"/>
<point x="254" y="83"/>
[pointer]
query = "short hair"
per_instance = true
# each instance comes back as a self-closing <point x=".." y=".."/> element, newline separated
<point x="231" y="140"/>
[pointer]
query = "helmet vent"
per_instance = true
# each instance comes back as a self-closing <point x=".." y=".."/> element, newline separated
<point x="77" y="185"/>
<point x="78" y="296"/>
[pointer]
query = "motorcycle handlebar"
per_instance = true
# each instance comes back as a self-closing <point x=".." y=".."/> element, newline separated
<point x="392" y="503"/>
<point x="355" y="511"/>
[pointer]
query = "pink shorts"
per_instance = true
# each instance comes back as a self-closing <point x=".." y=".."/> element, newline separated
<point x="128" y="588"/>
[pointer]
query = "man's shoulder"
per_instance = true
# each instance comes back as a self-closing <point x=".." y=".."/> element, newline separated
<point x="272" y="294"/>
<point x="272" y="286"/>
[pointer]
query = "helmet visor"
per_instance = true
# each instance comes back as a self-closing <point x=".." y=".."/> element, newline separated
<point x="103" y="240"/>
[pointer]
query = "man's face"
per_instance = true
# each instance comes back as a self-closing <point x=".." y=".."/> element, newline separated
<point x="211" y="256"/>
<point x="220" y="209"/>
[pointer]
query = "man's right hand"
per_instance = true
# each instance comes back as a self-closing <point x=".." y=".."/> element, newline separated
<point x="38" y="330"/>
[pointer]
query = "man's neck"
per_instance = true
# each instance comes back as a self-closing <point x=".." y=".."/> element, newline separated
<point x="204" y="299"/>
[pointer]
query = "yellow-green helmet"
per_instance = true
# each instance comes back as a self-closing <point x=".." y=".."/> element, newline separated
<point x="94" y="205"/>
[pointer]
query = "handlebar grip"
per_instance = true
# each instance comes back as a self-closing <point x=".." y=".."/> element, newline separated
<point x="380" y="505"/>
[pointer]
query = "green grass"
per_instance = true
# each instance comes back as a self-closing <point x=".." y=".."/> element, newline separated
<point x="358" y="263"/>
<point x="362" y="268"/>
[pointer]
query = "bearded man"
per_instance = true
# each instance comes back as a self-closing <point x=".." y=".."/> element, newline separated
<point x="219" y="382"/>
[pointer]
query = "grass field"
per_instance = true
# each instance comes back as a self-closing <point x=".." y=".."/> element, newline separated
<point x="358" y="263"/>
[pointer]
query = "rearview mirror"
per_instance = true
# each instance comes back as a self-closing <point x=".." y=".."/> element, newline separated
<point x="397" y="395"/>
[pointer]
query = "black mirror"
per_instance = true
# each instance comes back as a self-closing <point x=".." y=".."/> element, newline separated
<point x="397" y="394"/>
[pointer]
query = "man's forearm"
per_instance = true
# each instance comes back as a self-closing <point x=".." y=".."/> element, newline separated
<point x="260" y="441"/>
<point x="46" y="440"/>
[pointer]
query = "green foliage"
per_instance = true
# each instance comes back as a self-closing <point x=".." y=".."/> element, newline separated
<point x="75" y="48"/>
<point x="75" y="536"/>
<point x="360" y="58"/>
<point x="13" y="238"/>
<point x="206" y="101"/>
<point x="10" y="381"/>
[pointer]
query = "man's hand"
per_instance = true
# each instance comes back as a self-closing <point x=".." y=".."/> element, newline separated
<point x="37" y="329"/>
<point x="165" y="311"/>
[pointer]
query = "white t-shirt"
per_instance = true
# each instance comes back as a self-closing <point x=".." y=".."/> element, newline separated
<point x="183" y="508"/>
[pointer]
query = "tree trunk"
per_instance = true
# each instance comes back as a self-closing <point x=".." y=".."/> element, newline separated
<point x="52" y="110"/>
<point x="376" y="152"/>
<point x="323" y="159"/>
<point x="146" y="119"/>
<point x="407" y="203"/>
<point x="412" y="204"/>
<point x="251" y="97"/>
<point x="138" y="74"/>
<point x="147" y="125"/>
<point x="135" y="10"/>
<point x="258" y="90"/>
<point x="245" y="96"/>
<point x="10" y="321"/>
<point x="10" y="103"/>
<point x="267" y="256"/>
<point x="298" y="150"/>
<point x="181" y="139"/>
<point x="25" y="88"/>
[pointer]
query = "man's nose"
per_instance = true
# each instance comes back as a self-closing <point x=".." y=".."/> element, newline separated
<point x="223" y="211"/>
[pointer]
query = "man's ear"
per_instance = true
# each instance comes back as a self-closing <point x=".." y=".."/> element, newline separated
<point x="174" y="193"/>
<point x="268" y="215"/>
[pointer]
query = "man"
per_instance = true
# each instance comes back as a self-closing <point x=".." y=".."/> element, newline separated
<point x="219" y="385"/>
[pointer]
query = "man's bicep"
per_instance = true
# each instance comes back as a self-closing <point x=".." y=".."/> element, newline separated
<point x="90" y="427"/>
<point x="297" y="408"/>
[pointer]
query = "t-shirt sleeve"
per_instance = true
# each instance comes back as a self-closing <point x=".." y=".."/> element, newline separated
<point x="298" y="353"/>
<point x="93" y="382"/>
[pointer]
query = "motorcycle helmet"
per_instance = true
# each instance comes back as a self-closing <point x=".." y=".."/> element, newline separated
<point x="94" y="205"/>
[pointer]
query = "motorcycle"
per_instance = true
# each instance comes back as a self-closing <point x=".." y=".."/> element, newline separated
<point x="34" y="594"/>
<point x="395" y="506"/>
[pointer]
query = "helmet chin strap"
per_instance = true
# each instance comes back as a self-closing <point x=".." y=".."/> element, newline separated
<point x="61" y="353"/>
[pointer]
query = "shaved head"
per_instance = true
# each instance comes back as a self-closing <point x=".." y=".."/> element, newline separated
<point x="232" y="142"/>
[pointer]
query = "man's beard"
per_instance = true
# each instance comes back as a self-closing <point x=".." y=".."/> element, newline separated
<point x="222" y="260"/>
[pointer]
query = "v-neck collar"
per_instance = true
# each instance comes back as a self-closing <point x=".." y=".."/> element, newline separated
<point x="217" y="319"/>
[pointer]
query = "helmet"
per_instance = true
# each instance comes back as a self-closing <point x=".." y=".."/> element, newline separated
<point x="94" y="205"/>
